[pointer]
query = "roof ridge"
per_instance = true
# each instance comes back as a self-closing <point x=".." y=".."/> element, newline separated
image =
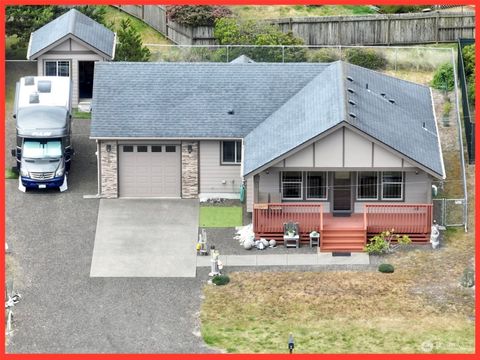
<point x="72" y="19"/>
<point x="343" y="95"/>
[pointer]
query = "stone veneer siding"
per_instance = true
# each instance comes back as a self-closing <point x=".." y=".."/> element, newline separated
<point x="109" y="169"/>
<point x="189" y="170"/>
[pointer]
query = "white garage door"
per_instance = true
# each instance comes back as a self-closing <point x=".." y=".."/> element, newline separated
<point x="149" y="170"/>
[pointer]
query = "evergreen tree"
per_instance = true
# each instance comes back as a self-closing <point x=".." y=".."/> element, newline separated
<point x="129" y="44"/>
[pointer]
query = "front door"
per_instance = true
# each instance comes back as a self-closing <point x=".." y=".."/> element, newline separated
<point x="85" y="79"/>
<point x="342" y="193"/>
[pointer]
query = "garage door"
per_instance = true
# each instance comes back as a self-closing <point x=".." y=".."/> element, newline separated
<point x="149" y="170"/>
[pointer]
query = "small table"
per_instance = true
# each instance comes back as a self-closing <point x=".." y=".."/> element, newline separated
<point x="291" y="241"/>
<point x="314" y="240"/>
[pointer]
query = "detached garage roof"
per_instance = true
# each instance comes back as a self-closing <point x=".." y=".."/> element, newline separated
<point x="274" y="107"/>
<point x="75" y="24"/>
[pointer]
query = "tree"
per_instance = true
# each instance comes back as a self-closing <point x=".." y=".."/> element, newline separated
<point x="229" y="31"/>
<point x="21" y="21"/>
<point x="129" y="44"/>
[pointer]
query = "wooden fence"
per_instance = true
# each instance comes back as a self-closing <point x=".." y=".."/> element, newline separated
<point x="396" y="29"/>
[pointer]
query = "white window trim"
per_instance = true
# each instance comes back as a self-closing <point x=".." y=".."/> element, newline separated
<point x="235" y="162"/>
<point x="376" y="187"/>
<point x="394" y="182"/>
<point x="56" y="67"/>
<point x="325" y="173"/>
<point x="293" y="182"/>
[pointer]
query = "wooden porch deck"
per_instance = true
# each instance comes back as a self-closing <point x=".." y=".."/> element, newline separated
<point x="346" y="233"/>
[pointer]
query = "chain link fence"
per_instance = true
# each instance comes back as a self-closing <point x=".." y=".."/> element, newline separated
<point x="449" y="212"/>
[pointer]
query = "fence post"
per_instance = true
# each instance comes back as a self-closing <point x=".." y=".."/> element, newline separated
<point x="283" y="53"/>
<point x="228" y="47"/>
<point x="396" y="57"/>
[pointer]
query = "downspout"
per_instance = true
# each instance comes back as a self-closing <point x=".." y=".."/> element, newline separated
<point x="98" y="170"/>
<point x="460" y="137"/>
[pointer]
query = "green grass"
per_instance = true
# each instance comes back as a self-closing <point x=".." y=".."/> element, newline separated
<point x="220" y="216"/>
<point x="81" y="115"/>
<point x="10" y="174"/>
<point x="149" y="34"/>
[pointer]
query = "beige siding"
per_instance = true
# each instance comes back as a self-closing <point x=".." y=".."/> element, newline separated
<point x="358" y="150"/>
<point x="214" y="177"/>
<point x="62" y="52"/>
<point x="302" y="158"/>
<point x="329" y="150"/>
<point x="384" y="158"/>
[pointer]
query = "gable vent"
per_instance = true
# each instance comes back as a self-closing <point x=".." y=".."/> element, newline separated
<point x="44" y="86"/>
<point x="231" y="112"/>
<point x="351" y="102"/>
<point x="352" y="115"/>
<point x="351" y="91"/>
<point x="349" y="78"/>
<point x="392" y="101"/>
<point x="34" y="98"/>
<point x="29" y="81"/>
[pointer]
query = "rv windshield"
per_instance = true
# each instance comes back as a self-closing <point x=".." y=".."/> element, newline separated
<point x="40" y="149"/>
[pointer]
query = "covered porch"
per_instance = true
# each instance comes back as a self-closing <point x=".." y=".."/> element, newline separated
<point x="342" y="233"/>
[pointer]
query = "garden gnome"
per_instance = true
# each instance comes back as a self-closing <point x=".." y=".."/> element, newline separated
<point x="214" y="259"/>
<point x="434" y="236"/>
<point x="291" y="343"/>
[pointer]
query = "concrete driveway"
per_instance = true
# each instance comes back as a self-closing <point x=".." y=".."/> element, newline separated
<point x="145" y="238"/>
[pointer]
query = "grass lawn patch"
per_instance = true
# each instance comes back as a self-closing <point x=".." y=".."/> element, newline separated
<point x="10" y="174"/>
<point x="81" y="114"/>
<point x="220" y="216"/>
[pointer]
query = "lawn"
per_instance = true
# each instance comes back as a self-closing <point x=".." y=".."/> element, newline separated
<point x="220" y="216"/>
<point x="420" y="308"/>
<point x="81" y="114"/>
<point x="257" y="12"/>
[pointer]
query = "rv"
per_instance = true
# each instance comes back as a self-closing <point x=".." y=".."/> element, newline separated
<point x="43" y="120"/>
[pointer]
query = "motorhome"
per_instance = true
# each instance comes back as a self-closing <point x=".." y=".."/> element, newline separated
<point x="43" y="120"/>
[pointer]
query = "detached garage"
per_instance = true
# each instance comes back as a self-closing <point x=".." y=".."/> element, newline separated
<point x="149" y="171"/>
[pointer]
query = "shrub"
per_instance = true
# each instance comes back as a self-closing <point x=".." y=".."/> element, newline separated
<point x="400" y="9"/>
<point x="326" y="55"/>
<point x="382" y="243"/>
<point x="386" y="268"/>
<point x="469" y="64"/>
<point x="221" y="280"/>
<point x="443" y="78"/>
<point x="367" y="58"/>
<point x="203" y="15"/>
<point x="129" y="44"/>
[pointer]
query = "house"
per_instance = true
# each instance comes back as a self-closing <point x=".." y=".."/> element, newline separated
<point x="69" y="46"/>
<point x="338" y="148"/>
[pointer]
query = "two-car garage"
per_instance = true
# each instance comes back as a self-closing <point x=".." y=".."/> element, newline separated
<point x="152" y="170"/>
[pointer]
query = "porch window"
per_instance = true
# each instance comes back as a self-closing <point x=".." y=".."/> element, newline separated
<point x="57" y="68"/>
<point x="367" y="185"/>
<point x="317" y="185"/>
<point x="392" y="185"/>
<point x="292" y="185"/>
<point x="231" y="152"/>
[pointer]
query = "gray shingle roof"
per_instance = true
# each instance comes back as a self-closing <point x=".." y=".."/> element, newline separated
<point x="277" y="107"/>
<point x="191" y="99"/>
<point x="73" y="23"/>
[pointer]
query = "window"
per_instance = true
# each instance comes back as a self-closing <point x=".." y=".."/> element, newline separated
<point x="57" y="68"/>
<point x="40" y="149"/>
<point x="231" y="152"/>
<point x="292" y="182"/>
<point x="127" y="148"/>
<point x="170" y="148"/>
<point x="317" y="185"/>
<point x="156" y="148"/>
<point x="142" y="148"/>
<point x="367" y="185"/>
<point x="392" y="185"/>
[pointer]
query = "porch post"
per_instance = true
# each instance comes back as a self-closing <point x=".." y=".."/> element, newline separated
<point x="256" y="185"/>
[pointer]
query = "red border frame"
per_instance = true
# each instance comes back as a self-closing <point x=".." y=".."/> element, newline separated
<point x="233" y="356"/>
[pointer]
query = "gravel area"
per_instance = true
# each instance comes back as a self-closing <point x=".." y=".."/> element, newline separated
<point x="224" y="242"/>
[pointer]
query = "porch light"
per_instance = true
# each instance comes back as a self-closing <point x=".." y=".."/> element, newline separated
<point x="109" y="148"/>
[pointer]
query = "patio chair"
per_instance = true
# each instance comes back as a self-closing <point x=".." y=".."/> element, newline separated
<point x="291" y="234"/>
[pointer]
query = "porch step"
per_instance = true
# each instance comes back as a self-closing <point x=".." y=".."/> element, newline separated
<point x="343" y="239"/>
<point x="338" y="247"/>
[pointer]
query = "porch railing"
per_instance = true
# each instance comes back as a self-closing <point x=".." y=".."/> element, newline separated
<point x="404" y="218"/>
<point x="269" y="218"/>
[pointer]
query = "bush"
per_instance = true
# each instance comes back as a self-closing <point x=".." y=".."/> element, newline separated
<point x="400" y="9"/>
<point x="367" y="58"/>
<point x="469" y="64"/>
<point x="382" y="243"/>
<point x="443" y="78"/>
<point x="386" y="268"/>
<point x="197" y="15"/>
<point x="326" y="55"/>
<point x="221" y="280"/>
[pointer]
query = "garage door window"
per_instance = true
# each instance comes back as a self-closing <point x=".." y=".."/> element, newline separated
<point x="142" y="148"/>
<point x="156" y="148"/>
<point x="128" y="149"/>
<point x="170" y="148"/>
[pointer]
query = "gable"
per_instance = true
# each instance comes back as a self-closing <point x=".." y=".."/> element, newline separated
<point x="70" y="45"/>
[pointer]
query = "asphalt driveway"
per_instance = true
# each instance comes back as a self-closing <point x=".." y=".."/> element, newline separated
<point x="145" y="238"/>
<point x="63" y="309"/>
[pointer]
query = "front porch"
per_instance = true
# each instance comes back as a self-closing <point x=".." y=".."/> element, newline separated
<point x="343" y="233"/>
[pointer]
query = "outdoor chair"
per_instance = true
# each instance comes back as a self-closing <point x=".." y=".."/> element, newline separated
<point x="291" y="234"/>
